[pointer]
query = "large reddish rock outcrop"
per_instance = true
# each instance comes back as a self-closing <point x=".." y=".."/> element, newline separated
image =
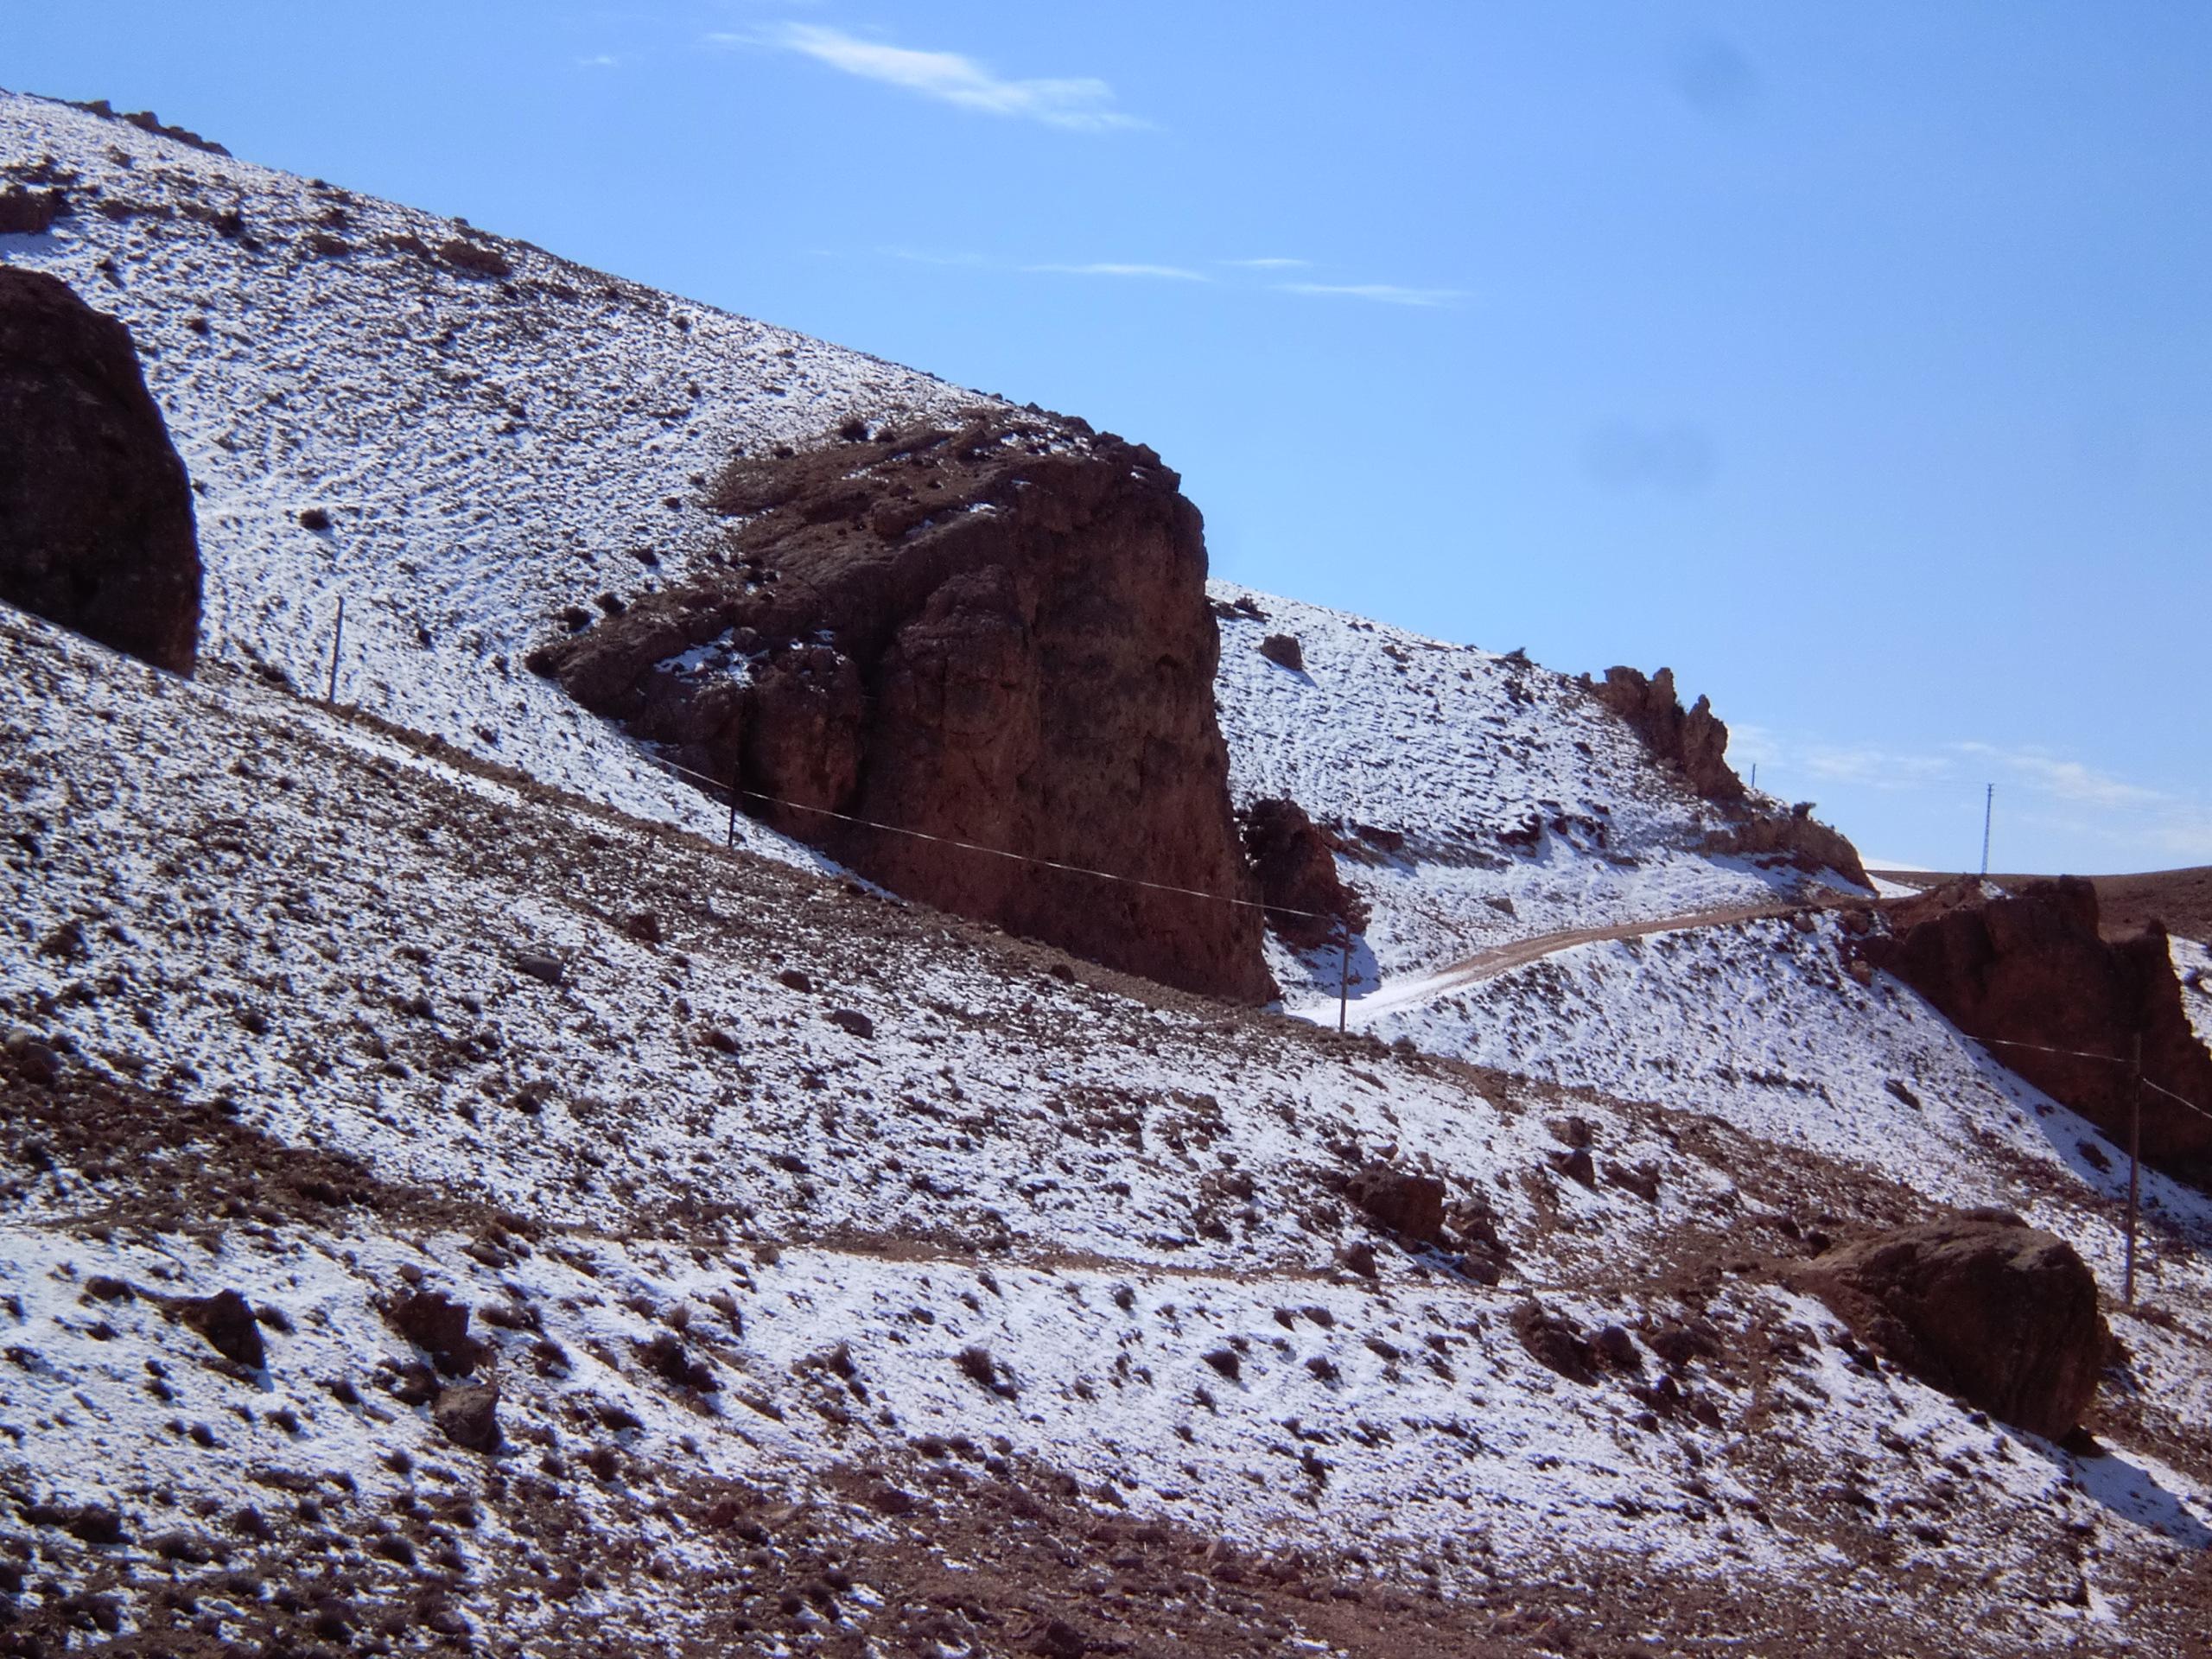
<point x="1981" y="1304"/>
<point x="2030" y="972"/>
<point x="96" y="524"/>
<point x="1695" y="742"/>
<point x="1308" y="904"/>
<point x="994" y="633"/>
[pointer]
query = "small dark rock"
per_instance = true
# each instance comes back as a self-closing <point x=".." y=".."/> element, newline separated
<point x="1284" y="651"/>
<point x="1576" y="1164"/>
<point x="468" y="1415"/>
<point x="1400" y="1202"/>
<point x="95" y="1525"/>
<point x="227" y="1320"/>
<point x="851" y="1021"/>
<point x="314" y="518"/>
<point x="792" y="979"/>
<point x="438" y="1325"/>
<point x="1555" y="1341"/>
<point x="540" y="965"/>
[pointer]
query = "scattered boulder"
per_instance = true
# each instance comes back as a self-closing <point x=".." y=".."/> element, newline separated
<point x="1308" y="904"/>
<point x="1408" y="1206"/>
<point x="851" y="1021"/>
<point x="2033" y="968"/>
<point x="1556" y="1342"/>
<point x="437" y="1324"/>
<point x="1284" y="651"/>
<point x="666" y="1358"/>
<point x="995" y="631"/>
<point x="30" y="212"/>
<point x="36" y="1062"/>
<point x="468" y="1415"/>
<point x="1980" y="1304"/>
<point x="540" y="965"/>
<point x="96" y="522"/>
<point x="227" y="1320"/>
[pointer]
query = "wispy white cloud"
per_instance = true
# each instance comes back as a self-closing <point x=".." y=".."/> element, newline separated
<point x="1379" y="293"/>
<point x="1081" y="103"/>
<point x="598" y="61"/>
<point x="931" y="256"/>
<point x="1266" y="264"/>
<point x="2065" y="780"/>
<point x="1109" y="268"/>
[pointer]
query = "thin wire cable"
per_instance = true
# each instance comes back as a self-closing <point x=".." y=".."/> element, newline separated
<point x="2109" y="1059"/>
<point x="995" y="852"/>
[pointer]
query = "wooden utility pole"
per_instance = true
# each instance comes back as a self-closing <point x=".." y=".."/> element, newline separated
<point x="733" y="804"/>
<point x="337" y="642"/>
<point x="1988" y="807"/>
<point x="2134" y="1153"/>
<point x="1344" y="972"/>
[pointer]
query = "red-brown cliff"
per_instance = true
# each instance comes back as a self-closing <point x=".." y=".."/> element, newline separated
<point x="994" y="633"/>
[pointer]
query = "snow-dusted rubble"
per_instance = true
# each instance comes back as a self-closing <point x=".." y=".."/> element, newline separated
<point x="232" y="897"/>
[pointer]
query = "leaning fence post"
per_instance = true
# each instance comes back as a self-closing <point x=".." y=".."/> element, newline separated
<point x="337" y="641"/>
<point x="733" y="807"/>
<point x="1344" y="972"/>
<point x="2134" y="1153"/>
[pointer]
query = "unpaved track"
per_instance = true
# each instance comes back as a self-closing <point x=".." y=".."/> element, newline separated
<point x="1487" y="964"/>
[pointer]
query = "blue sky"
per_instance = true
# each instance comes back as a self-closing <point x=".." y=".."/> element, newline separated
<point x="1856" y="361"/>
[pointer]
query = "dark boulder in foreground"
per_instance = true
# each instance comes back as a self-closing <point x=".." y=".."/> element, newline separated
<point x="2030" y="972"/>
<point x="993" y="632"/>
<point x="1980" y="1305"/>
<point x="96" y="524"/>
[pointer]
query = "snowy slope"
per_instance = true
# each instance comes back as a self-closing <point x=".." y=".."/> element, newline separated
<point x="230" y="898"/>
<point x="1525" y="806"/>
<point x="487" y="448"/>
<point x="924" y="1210"/>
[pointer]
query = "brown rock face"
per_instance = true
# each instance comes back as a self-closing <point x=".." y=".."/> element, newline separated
<point x="1308" y="903"/>
<point x="2032" y="969"/>
<point x="1400" y="1202"/>
<point x="96" y="526"/>
<point x="1696" y="742"/>
<point x="1796" y="836"/>
<point x="1982" y="1305"/>
<point x="995" y="633"/>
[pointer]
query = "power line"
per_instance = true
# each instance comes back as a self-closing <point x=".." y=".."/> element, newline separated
<point x="995" y="852"/>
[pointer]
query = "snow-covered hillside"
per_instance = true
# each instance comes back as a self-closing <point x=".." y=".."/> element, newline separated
<point x="1513" y="804"/>
<point x="486" y="447"/>
<point x="290" y="938"/>
<point x="855" y="1280"/>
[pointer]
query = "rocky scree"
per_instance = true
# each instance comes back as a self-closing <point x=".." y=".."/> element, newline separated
<point x="994" y="632"/>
